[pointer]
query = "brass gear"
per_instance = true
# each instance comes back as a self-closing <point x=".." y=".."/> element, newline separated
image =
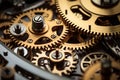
<point x="91" y="58"/>
<point x="54" y="33"/>
<point x="58" y="61"/>
<point x="4" y="32"/>
<point x="51" y="2"/>
<point x="79" y="41"/>
<point x="94" y="72"/>
<point x="85" y="16"/>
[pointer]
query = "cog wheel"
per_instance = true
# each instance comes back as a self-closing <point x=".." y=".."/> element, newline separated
<point x="4" y="33"/>
<point x="90" y="18"/>
<point x="94" y="72"/>
<point x="58" y="61"/>
<point x="79" y="40"/>
<point x="51" y="33"/>
<point x="93" y="58"/>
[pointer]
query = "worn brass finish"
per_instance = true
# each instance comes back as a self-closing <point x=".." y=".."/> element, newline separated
<point x="48" y="38"/>
<point x="90" y="18"/>
<point x="68" y="61"/>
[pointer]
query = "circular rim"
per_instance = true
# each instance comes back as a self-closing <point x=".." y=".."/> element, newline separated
<point x="92" y="60"/>
<point x="89" y="25"/>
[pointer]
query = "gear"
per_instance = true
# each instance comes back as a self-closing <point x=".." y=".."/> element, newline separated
<point x="4" y="33"/>
<point x="90" y="18"/>
<point x="92" y="58"/>
<point x="58" y="61"/>
<point x="43" y="34"/>
<point x="94" y="72"/>
<point x="51" y="2"/>
<point x="79" y="40"/>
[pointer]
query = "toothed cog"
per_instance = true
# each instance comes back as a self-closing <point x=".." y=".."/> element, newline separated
<point x="38" y="30"/>
<point x="58" y="61"/>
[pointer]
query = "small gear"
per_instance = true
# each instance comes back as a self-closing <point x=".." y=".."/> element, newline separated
<point x="79" y="40"/>
<point x="4" y="32"/>
<point x="38" y="28"/>
<point x="92" y="58"/>
<point x="58" y="61"/>
<point x="86" y="16"/>
<point x="94" y="72"/>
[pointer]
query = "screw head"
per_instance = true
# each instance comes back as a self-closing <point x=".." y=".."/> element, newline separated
<point x="17" y="29"/>
<point x="21" y="51"/>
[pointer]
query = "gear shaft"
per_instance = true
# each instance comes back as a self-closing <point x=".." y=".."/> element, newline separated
<point x="38" y="24"/>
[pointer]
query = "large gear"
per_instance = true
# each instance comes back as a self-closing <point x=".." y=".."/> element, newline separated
<point x="90" y="18"/>
<point x="94" y="72"/>
<point x="4" y="32"/>
<point x="54" y="32"/>
<point x="79" y="41"/>
<point x="58" y="61"/>
<point x="91" y="58"/>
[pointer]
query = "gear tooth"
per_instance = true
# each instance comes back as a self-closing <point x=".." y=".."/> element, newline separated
<point x="27" y="46"/>
<point x="34" y="47"/>
<point x="34" y="62"/>
<point x="65" y="72"/>
<point x="35" y="57"/>
<point x="67" y="69"/>
<point x="38" y="9"/>
<point x="21" y="44"/>
<point x="41" y="48"/>
<point x="37" y="54"/>
<point x="45" y="9"/>
<point x="30" y="47"/>
<point x="68" y="72"/>
<point x="18" y="43"/>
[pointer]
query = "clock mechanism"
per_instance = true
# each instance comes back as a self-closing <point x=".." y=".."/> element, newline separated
<point x="59" y="40"/>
